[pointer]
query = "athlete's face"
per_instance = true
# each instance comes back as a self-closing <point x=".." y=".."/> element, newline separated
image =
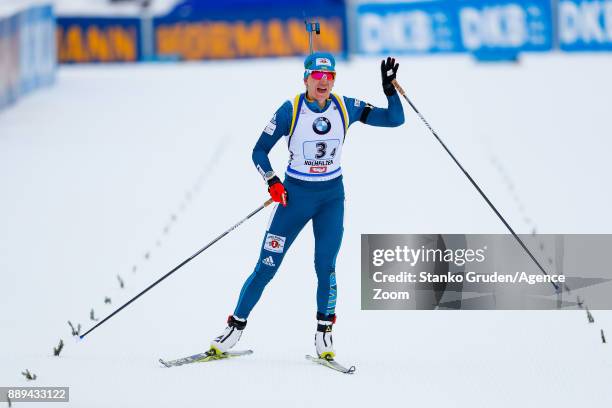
<point x="319" y="89"/>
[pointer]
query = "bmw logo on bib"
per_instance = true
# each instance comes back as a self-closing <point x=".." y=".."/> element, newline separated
<point x="321" y="125"/>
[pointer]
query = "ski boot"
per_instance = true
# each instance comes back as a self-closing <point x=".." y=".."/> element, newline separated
<point x="323" y="337"/>
<point x="229" y="337"/>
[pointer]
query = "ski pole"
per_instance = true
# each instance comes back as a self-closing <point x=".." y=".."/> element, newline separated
<point x="179" y="266"/>
<point x="518" y="239"/>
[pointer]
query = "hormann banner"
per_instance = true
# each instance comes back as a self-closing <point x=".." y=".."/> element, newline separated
<point x="245" y="29"/>
<point x="475" y="26"/>
<point x="485" y="272"/>
<point x="98" y="39"/>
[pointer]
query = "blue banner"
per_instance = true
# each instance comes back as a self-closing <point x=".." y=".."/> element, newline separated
<point x="420" y="28"/>
<point x="249" y="9"/>
<point x="585" y="25"/>
<point x="98" y="39"/>
<point x="506" y="25"/>
<point x="475" y="26"/>
<point x="27" y="52"/>
<point x="37" y="44"/>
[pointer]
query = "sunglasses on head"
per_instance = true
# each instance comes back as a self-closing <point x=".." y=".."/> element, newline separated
<point x="329" y="75"/>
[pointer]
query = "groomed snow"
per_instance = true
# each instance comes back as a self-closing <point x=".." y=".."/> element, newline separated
<point x="93" y="169"/>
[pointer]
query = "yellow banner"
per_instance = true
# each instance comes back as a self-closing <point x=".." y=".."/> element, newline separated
<point x="96" y="43"/>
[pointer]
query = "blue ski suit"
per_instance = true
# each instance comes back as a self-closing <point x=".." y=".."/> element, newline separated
<point x="313" y="182"/>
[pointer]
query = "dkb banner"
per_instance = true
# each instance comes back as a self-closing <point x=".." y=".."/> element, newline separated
<point x="477" y="26"/>
<point x="585" y="25"/>
<point x="417" y="28"/>
<point x="485" y="272"/>
<point x="510" y="25"/>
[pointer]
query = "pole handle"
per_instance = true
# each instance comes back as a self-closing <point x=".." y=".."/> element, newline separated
<point x="398" y="87"/>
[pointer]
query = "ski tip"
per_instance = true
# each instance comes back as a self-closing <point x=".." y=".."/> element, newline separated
<point x="162" y="362"/>
<point x="333" y="364"/>
<point x="236" y="353"/>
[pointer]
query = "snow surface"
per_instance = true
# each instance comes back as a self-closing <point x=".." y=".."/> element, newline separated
<point x="93" y="169"/>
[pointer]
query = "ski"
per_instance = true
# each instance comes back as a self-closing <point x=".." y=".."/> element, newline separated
<point x="333" y="364"/>
<point x="204" y="358"/>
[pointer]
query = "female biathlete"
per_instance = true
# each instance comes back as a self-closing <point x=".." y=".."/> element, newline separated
<point x="314" y="124"/>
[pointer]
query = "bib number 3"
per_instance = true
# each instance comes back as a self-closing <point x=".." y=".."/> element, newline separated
<point x="321" y="150"/>
<point x="317" y="150"/>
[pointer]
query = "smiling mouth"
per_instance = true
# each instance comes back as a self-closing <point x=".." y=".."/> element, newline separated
<point x="321" y="90"/>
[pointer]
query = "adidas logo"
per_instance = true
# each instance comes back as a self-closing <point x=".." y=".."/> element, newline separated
<point x="268" y="261"/>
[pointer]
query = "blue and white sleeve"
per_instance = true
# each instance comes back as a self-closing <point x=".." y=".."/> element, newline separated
<point x="274" y="130"/>
<point x="363" y="112"/>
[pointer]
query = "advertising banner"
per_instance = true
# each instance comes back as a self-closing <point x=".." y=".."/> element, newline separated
<point x="27" y="52"/>
<point x="449" y="26"/>
<point x="98" y="39"/>
<point x="506" y="25"/>
<point x="585" y="25"/>
<point x="37" y="44"/>
<point x="413" y="28"/>
<point x="242" y="29"/>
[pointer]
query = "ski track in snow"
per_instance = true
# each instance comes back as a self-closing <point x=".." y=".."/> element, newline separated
<point x="93" y="169"/>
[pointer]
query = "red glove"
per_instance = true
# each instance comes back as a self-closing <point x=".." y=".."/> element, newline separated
<point x="277" y="191"/>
